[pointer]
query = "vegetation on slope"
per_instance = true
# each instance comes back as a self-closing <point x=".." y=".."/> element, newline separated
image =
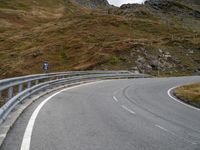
<point x="72" y="37"/>
<point x="190" y="94"/>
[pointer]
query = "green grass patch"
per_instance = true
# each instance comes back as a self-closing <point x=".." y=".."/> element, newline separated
<point x="114" y="60"/>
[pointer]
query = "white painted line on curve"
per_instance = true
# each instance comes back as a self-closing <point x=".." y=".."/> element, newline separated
<point x="26" y="141"/>
<point x="6" y="126"/>
<point x="179" y="101"/>
<point x="2" y="135"/>
<point x="127" y="109"/>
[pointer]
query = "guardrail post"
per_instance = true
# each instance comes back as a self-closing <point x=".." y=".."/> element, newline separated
<point x="20" y="88"/>
<point x="29" y="85"/>
<point x="36" y="82"/>
<point x="10" y="92"/>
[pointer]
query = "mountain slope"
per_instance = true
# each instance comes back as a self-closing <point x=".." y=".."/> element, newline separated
<point x="71" y="36"/>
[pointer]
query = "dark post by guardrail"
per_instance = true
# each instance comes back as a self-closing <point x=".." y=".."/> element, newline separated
<point x="15" y="90"/>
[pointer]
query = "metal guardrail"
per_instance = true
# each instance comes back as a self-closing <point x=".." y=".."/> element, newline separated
<point x="13" y="91"/>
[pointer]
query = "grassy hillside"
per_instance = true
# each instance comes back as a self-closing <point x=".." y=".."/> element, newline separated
<point x="72" y="37"/>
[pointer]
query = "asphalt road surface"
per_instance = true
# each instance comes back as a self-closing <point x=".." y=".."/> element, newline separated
<point x="134" y="114"/>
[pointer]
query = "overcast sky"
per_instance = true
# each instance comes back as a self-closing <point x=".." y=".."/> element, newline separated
<point x="120" y="2"/>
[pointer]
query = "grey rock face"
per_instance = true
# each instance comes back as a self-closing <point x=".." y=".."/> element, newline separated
<point x="93" y="3"/>
<point x="171" y="6"/>
<point x="129" y="6"/>
<point x="159" y="4"/>
<point x="194" y="2"/>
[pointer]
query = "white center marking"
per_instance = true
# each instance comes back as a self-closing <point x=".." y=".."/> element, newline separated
<point x="29" y="129"/>
<point x="127" y="109"/>
<point x="162" y="128"/>
<point x="115" y="98"/>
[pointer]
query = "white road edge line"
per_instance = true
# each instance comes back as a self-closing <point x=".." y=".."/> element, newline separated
<point x="115" y="99"/>
<point x="7" y="126"/>
<point x="26" y="141"/>
<point x="179" y="101"/>
<point x="2" y="135"/>
<point x="127" y="109"/>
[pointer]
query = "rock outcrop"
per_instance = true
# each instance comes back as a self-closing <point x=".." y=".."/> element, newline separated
<point x="172" y="7"/>
<point x="93" y="3"/>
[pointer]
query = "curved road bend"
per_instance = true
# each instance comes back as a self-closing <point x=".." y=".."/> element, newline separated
<point x="134" y="114"/>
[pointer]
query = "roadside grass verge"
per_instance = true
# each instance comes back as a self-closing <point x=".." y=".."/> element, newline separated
<point x="189" y="94"/>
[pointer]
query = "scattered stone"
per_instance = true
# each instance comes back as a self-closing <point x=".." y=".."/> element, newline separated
<point x="141" y="59"/>
<point x="191" y="52"/>
<point x="149" y="67"/>
<point x="37" y="53"/>
<point x="167" y="56"/>
<point x="13" y="55"/>
<point x="154" y="64"/>
<point x="160" y="51"/>
<point x="135" y="70"/>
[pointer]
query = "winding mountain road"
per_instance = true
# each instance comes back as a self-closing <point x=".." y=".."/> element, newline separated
<point x="132" y="114"/>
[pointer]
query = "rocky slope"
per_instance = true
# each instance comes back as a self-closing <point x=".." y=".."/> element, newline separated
<point x="173" y="7"/>
<point x="161" y="36"/>
<point x="93" y="3"/>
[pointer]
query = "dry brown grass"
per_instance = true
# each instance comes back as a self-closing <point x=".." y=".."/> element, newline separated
<point x="74" y="38"/>
<point x="189" y="93"/>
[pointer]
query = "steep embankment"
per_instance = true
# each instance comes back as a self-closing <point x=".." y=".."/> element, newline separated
<point x="74" y="37"/>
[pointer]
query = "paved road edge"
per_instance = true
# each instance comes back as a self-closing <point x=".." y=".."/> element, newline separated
<point x="14" y="115"/>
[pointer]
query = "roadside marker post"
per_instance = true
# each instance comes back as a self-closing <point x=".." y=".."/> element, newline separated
<point x="45" y="66"/>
